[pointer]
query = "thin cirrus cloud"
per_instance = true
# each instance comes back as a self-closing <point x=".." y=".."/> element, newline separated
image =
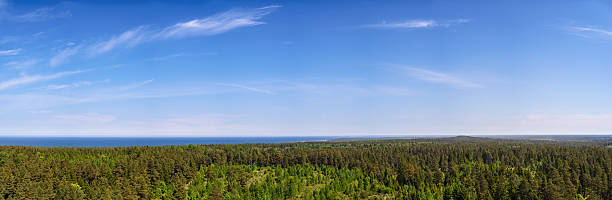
<point x="248" y="88"/>
<point x="417" y="24"/>
<point x="135" y="85"/>
<point x="63" y="55"/>
<point x="23" y="64"/>
<point x="41" y="14"/>
<point x="73" y="85"/>
<point x="127" y="39"/>
<point x="26" y="79"/>
<point x="32" y="100"/>
<point x="439" y="77"/>
<point x="212" y="25"/>
<point x="218" y="23"/>
<point x="9" y="52"/>
<point x="55" y="87"/>
<point x="591" y="32"/>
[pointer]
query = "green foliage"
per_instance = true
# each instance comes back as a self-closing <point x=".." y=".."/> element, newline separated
<point x="453" y="168"/>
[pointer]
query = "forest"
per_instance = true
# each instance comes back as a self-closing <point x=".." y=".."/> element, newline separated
<point x="436" y="168"/>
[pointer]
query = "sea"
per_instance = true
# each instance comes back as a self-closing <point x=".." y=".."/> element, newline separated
<point x="147" y="141"/>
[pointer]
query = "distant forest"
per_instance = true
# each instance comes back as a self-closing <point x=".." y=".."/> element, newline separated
<point x="442" y="168"/>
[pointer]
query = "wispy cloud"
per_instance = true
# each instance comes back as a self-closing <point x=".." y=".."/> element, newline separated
<point x="418" y="23"/>
<point x="327" y="89"/>
<point x="42" y="14"/>
<point x="177" y="55"/>
<point x="335" y="92"/>
<point x="73" y="85"/>
<point x="252" y="89"/>
<point x="55" y="87"/>
<point x="135" y="85"/>
<point x="439" y="77"/>
<point x="7" y="39"/>
<point x="212" y="25"/>
<point x="26" y="79"/>
<point x="590" y="32"/>
<point x="23" y="64"/>
<point x="127" y="39"/>
<point x="33" y="99"/>
<point x="9" y="52"/>
<point x="63" y="55"/>
<point x="594" y="30"/>
<point x="39" y="112"/>
<point x="406" y="24"/>
<point x="218" y="23"/>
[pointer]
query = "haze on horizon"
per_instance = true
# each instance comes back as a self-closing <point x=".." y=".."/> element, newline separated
<point x="267" y="68"/>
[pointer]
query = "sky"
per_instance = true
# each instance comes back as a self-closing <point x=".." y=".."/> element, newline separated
<point x="304" y="68"/>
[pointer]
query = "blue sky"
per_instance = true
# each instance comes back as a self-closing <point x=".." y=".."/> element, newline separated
<point x="269" y="68"/>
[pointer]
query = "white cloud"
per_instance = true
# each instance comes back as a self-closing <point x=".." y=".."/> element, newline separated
<point x="7" y="39"/>
<point x="127" y="39"/>
<point x="39" y="112"/>
<point x="589" y="32"/>
<point x="21" y="64"/>
<point x="323" y="92"/>
<point x="87" y="117"/>
<point x="212" y="25"/>
<point x="418" y="23"/>
<point x="88" y="83"/>
<point x="33" y="101"/>
<point x="252" y="89"/>
<point x="408" y="24"/>
<point x="72" y="85"/>
<point x="340" y="91"/>
<point x="47" y="99"/>
<point x="55" y="87"/>
<point x="595" y="30"/>
<point x="23" y="80"/>
<point x="9" y="52"/>
<point x="81" y="83"/>
<point x="135" y="85"/>
<point x="331" y="89"/>
<point x="41" y="14"/>
<point x="218" y="23"/>
<point x="438" y="77"/>
<point x="63" y="55"/>
<point x="177" y="55"/>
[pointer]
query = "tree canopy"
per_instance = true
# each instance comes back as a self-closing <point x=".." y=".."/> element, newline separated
<point x="443" y="168"/>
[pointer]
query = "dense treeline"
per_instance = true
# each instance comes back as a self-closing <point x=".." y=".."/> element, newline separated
<point x="453" y="168"/>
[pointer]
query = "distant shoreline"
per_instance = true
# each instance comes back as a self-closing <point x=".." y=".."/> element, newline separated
<point x="166" y="141"/>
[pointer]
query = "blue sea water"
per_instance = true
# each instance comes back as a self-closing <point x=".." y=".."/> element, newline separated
<point x="145" y="141"/>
